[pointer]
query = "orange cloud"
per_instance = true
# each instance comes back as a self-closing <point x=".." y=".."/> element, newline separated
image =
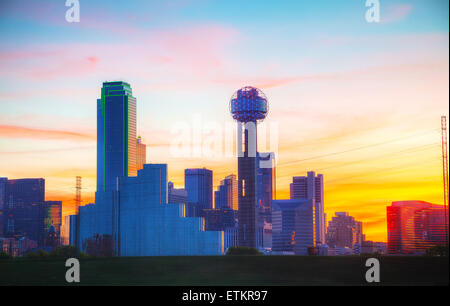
<point x="14" y="132"/>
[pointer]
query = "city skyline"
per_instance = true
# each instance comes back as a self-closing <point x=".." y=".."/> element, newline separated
<point x="368" y="122"/>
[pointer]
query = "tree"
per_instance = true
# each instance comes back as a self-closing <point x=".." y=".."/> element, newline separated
<point x="242" y="250"/>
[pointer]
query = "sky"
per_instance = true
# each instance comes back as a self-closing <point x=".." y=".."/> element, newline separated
<point x="356" y="101"/>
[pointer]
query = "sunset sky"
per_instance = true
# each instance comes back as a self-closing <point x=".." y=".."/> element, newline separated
<point x="358" y="102"/>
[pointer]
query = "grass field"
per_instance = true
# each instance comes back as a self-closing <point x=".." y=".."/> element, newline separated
<point x="228" y="271"/>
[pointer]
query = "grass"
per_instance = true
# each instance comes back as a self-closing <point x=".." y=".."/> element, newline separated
<point x="227" y="271"/>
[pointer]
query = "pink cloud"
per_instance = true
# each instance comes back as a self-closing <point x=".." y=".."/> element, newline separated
<point x="396" y="13"/>
<point x="188" y="53"/>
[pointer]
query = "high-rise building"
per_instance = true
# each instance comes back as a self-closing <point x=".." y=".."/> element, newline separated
<point x="293" y="226"/>
<point x="311" y="187"/>
<point x="23" y="209"/>
<point x="52" y="216"/>
<point x="116" y="134"/>
<point x="344" y="231"/>
<point x="176" y="195"/>
<point x="248" y="106"/>
<point x="227" y="194"/>
<point x="141" y="153"/>
<point x="199" y="186"/>
<point x="414" y="226"/>
<point x="3" y="181"/>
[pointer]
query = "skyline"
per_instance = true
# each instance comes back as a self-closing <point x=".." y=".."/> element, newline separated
<point x="370" y="151"/>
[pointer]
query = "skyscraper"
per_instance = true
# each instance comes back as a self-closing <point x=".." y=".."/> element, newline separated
<point x="311" y="187"/>
<point x="141" y="153"/>
<point x="344" y="231"/>
<point x="116" y="134"/>
<point x="51" y="216"/>
<point x="248" y="106"/>
<point x="227" y="194"/>
<point x="199" y="186"/>
<point x="414" y="226"/>
<point x="3" y="181"/>
<point x="24" y="204"/>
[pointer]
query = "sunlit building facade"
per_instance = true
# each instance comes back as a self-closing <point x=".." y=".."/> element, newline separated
<point x="293" y="226"/>
<point x="199" y="186"/>
<point x="141" y="154"/>
<point x="311" y="187"/>
<point x="415" y="226"/>
<point x="344" y="231"/>
<point x="227" y="194"/>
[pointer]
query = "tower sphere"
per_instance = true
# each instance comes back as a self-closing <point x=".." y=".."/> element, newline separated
<point x="249" y="104"/>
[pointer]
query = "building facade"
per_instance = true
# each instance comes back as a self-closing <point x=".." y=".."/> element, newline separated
<point x="227" y="194"/>
<point x="344" y="231"/>
<point x="176" y="195"/>
<point x="414" y="226"/>
<point x="311" y="187"/>
<point x="199" y="186"/>
<point x="293" y="226"/>
<point x="23" y="209"/>
<point x="143" y="223"/>
<point x="116" y="134"/>
<point x="141" y="154"/>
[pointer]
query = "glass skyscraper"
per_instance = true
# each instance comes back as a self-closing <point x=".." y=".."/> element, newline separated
<point x="23" y="208"/>
<point x="116" y="134"/>
<point x="199" y="186"/>
<point x="311" y="187"/>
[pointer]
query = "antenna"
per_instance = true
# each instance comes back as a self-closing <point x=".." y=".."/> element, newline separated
<point x="77" y="194"/>
<point x="445" y="172"/>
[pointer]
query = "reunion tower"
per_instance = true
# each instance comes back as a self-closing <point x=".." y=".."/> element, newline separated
<point x="248" y="105"/>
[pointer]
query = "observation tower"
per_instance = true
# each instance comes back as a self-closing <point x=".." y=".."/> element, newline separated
<point x="248" y="106"/>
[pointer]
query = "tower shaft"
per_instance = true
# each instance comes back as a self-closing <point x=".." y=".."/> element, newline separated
<point x="247" y="184"/>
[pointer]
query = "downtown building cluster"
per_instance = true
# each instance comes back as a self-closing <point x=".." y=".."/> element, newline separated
<point x="139" y="212"/>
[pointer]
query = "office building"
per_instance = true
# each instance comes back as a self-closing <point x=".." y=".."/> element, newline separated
<point x="219" y="219"/>
<point x="311" y="187"/>
<point x="176" y="195"/>
<point x="414" y="226"/>
<point x="344" y="231"/>
<point x="116" y="134"/>
<point x="23" y="208"/>
<point x="141" y="154"/>
<point x="52" y="219"/>
<point x="3" y="181"/>
<point x="227" y="194"/>
<point x="199" y="186"/>
<point x="143" y="223"/>
<point x="293" y="226"/>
